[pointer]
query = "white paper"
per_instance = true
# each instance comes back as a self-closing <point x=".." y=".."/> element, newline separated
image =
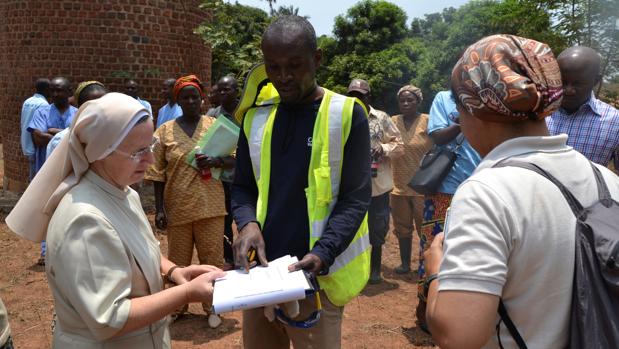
<point x="260" y="287"/>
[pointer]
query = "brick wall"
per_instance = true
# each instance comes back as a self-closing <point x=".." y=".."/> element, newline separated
<point x="105" y="40"/>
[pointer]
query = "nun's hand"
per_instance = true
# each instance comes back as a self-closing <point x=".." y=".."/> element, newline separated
<point x="200" y="289"/>
<point x="183" y="275"/>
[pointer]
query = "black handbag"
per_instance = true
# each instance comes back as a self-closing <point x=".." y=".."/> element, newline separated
<point x="434" y="167"/>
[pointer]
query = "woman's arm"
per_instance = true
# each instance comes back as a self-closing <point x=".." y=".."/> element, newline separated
<point x="149" y="309"/>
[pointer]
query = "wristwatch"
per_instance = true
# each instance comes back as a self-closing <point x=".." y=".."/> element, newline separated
<point x="168" y="275"/>
<point x="426" y="284"/>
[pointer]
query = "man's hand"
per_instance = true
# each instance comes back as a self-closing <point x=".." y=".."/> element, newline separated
<point x="186" y="274"/>
<point x="311" y="263"/>
<point x="434" y="255"/>
<point x="249" y="237"/>
<point x="161" y="220"/>
<point x="207" y="162"/>
<point x="377" y="152"/>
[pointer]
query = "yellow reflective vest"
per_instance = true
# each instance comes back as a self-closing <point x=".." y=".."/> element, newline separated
<point x="350" y="270"/>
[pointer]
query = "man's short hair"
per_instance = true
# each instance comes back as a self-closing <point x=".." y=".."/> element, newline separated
<point x="42" y="85"/>
<point x="292" y="24"/>
<point x="63" y="81"/>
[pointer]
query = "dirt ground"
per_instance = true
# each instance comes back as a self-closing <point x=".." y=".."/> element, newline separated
<point x="381" y="317"/>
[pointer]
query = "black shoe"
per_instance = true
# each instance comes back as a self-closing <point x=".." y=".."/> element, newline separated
<point x="402" y="269"/>
<point x="375" y="279"/>
<point x="424" y="327"/>
<point x="375" y="261"/>
<point x="406" y="244"/>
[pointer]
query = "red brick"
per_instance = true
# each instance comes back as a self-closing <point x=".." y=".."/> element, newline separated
<point x="90" y="40"/>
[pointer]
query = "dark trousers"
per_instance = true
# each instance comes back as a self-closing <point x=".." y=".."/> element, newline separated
<point x="8" y="344"/>
<point x="228" y="235"/>
<point x="378" y="219"/>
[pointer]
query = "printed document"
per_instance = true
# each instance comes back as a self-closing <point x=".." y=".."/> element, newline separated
<point x="260" y="287"/>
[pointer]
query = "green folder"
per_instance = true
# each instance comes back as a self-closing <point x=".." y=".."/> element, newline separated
<point x="219" y="140"/>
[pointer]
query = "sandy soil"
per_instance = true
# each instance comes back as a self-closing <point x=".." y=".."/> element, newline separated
<point x="381" y="317"/>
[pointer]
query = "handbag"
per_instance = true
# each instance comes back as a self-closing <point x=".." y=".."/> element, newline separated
<point x="434" y="167"/>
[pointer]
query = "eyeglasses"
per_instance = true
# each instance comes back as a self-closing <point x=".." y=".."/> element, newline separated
<point x="140" y="154"/>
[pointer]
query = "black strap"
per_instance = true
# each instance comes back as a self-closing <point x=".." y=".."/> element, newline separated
<point x="459" y="140"/>
<point x="579" y="212"/>
<point x="510" y="327"/>
<point x="603" y="192"/>
<point x="575" y="205"/>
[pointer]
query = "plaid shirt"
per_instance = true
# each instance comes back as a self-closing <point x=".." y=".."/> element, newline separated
<point x="593" y="130"/>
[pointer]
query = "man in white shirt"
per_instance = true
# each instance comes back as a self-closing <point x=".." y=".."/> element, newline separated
<point x="386" y="144"/>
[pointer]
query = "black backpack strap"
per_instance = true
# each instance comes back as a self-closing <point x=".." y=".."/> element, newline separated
<point x="575" y="205"/>
<point x="603" y="192"/>
<point x="578" y="211"/>
<point x="510" y="327"/>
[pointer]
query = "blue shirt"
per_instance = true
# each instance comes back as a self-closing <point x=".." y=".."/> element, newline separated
<point x="443" y="114"/>
<point x="593" y="130"/>
<point x="168" y="112"/>
<point x="27" y="112"/>
<point x="146" y="105"/>
<point x="55" y="141"/>
<point x="45" y="118"/>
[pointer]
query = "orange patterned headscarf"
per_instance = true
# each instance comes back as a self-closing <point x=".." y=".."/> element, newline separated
<point x="506" y="78"/>
<point x="189" y="80"/>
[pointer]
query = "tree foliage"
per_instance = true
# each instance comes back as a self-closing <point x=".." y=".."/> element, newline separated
<point x="234" y="33"/>
<point x="370" y="43"/>
<point x="374" y="39"/>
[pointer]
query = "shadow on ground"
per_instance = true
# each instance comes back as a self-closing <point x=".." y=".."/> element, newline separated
<point x="194" y="328"/>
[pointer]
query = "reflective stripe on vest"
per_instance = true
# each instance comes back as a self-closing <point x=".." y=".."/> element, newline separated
<point x="350" y="270"/>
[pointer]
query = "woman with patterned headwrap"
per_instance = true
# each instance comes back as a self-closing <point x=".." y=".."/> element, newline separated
<point x="190" y="207"/>
<point x="509" y="233"/>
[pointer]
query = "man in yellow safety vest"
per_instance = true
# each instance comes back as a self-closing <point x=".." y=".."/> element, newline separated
<point x="302" y="187"/>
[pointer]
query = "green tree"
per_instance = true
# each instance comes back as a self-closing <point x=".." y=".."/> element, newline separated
<point x="287" y="11"/>
<point x="234" y="33"/>
<point x="593" y="23"/>
<point x="370" y="26"/>
<point x="446" y="35"/>
<point x="370" y="43"/>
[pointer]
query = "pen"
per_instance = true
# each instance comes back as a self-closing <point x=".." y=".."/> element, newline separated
<point x="251" y="256"/>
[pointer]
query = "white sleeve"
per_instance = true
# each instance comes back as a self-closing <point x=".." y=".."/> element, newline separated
<point x="477" y="241"/>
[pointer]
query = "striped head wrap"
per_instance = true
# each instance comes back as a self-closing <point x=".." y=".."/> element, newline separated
<point x="414" y="90"/>
<point x="506" y="78"/>
<point x="82" y="85"/>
